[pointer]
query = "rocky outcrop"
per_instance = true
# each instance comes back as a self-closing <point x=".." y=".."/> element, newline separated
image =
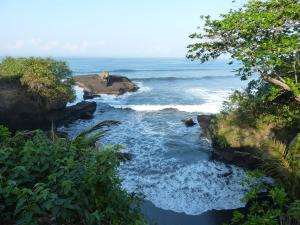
<point x="19" y="109"/>
<point x="204" y="122"/>
<point x="189" y="122"/>
<point x="89" y="95"/>
<point x="237" y="157"/>
<point x="246" y="157"/>
<point x="82" y="110"/>
<point x="94" y="85"/>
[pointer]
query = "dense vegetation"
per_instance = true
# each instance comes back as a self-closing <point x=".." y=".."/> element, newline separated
<point x="264" y="119"/>
<point x="48" y="80"/>
<point x="45" y="179"/>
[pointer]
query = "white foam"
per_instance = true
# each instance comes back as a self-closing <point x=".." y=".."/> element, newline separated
<point x="142" y="88"/>
<point x="213" y="98"/>
<point x="203" y="108"/>
<point x="167" y="178"/>
<point x="192" y="189"/>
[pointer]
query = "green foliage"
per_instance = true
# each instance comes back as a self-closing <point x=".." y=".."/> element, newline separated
<point x="279" y="196"/>
<point x="4" y="135"/>
<point x="50" y="180"/>
<point x="294" y="210"/>
<point x="263" y="36"/>
<point x="295" y="146"/>
<point x="48" y="80"/>
<point x="266" y="204"/>
<point x="12" y="68"/>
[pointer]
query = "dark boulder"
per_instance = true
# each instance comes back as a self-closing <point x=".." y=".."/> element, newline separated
<point x="89" y="95"/>
<point x="189" y="122"/>
<point x="94" y="85"/>
<point x="239" y="157"/>
<point x="82" y="110"/>
<point x="124" y="156"/>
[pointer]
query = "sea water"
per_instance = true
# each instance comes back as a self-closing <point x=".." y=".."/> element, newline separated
<point x="171" y="163"/>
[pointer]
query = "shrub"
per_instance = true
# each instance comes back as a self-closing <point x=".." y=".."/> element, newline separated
<point x="267" y="204"/>
<point x="49" y="180"/>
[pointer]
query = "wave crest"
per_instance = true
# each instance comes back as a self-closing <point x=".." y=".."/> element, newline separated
<point x="209" y="108"/>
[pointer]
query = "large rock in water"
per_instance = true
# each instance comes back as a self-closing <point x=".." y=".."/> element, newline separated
<point x="19" y="110"/>
<point x="94" y="85"/>
<point x="189" y="122"/>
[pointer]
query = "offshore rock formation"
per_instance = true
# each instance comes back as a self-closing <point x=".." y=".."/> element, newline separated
<point x="95" y="85"/>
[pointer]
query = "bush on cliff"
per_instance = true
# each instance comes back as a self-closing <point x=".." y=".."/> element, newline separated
<point x="48" y="80"/>
<point x="45" y="179"/>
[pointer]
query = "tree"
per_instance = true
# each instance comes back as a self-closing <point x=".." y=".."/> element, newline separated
<point x="262" y="35"/>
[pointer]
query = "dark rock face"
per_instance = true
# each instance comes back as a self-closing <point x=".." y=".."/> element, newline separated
<point x="237" y="157"/>
<point x="89" y="95"/>
<point x="245" y="157"/>
<point x="204" y="122"/>
<point x="189" y="122"/>
<point x="19" y="110"/>
<point x="94" y="85"/>
<point x="82" y="110"/>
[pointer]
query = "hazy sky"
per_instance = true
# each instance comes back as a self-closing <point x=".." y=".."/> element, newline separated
<point x="111" y="28"/>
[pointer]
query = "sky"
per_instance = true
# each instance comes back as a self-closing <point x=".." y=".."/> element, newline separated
<point x="98" y="28"/>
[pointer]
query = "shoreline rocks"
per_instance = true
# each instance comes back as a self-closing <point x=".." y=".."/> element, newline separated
<point x="237" y="157"/>
<point x="243" y="157"/>
<point x="94" y="85"/>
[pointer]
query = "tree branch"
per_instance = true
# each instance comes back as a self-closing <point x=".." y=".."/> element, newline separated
<point x="279" y="83"/>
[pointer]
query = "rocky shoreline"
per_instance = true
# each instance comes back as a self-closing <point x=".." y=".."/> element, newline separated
<point x="243" y="157"/>
<point x="20" y="110"/>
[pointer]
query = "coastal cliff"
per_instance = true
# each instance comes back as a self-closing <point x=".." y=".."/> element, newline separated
<point x="20" y="110"/>
<point x="246" y="146"/>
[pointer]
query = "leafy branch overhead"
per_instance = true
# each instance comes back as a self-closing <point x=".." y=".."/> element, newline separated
<point x="263" y="36"/>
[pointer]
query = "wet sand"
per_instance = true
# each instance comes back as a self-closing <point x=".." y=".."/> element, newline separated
<point x="159" y="216"/>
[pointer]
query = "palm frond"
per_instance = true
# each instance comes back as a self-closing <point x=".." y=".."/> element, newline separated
<point x="88" y="137"/>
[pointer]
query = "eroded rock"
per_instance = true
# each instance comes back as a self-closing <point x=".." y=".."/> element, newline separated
<point x="95" y="85"/>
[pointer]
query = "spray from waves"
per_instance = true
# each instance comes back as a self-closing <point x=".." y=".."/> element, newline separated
<point x="78" y="95"/>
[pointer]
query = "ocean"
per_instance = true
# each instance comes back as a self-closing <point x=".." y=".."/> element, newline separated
<point x="171" y="163"/>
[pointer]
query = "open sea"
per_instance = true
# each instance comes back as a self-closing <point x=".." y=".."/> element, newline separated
<point x="171" y="163"/>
